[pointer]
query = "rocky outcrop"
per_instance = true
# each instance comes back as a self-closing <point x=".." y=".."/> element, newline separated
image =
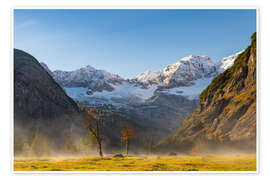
<point x="226" y="114"/>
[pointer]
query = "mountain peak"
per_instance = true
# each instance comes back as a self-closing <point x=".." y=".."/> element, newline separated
<point x="87" y="77"/>
<point x="88" y="67"/>
<point x="226" y="62"/>
<point x="191" y="57"/>
<point x="181" y="73"/>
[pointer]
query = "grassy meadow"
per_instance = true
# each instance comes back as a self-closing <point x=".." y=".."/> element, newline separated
<point x="143" y="163"/>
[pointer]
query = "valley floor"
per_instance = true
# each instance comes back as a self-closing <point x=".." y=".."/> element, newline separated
<point x="150" y="163"/>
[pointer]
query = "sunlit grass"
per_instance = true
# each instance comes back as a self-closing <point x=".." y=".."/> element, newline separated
<point x="150" y="163"/>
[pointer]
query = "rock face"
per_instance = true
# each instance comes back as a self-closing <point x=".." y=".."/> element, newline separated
<point x="39" y="102"/>
<point x="226" y="114"/>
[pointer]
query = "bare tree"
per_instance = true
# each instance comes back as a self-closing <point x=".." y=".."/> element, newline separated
<point x="94" y="123"/>
<point x="127" y="133"/>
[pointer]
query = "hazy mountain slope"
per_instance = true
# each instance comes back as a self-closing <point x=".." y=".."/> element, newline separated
<point x="39" y="102"/>
<point x="226" y="114"/>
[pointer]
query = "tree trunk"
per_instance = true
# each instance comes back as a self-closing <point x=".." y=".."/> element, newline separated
<point x="99" y="149"/>
<point x="127" y="144"/>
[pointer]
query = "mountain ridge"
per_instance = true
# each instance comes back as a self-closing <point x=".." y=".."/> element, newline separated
<point x="183" y="73"/>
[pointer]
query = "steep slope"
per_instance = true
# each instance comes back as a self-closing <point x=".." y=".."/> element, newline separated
<point x="226" y="114"/>
<point x="227" y="62"/>
<point x="39" y="102"/>
<point x="46" y="68"/>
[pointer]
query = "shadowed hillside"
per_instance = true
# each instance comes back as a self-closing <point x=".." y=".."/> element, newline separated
<point x="39" y="102"/>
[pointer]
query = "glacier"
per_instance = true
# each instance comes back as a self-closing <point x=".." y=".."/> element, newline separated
<point x="188" y="77"/>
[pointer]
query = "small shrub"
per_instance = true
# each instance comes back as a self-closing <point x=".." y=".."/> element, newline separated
<point x="172" y="154"/>
<point x="118" y="155"/>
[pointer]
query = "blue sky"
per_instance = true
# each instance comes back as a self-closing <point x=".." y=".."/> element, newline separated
<point x="129" y="42"/>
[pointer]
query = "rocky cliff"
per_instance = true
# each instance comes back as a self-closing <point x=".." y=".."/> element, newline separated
<point x="226" y="115"/>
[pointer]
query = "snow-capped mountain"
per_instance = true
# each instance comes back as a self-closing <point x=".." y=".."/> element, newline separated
<point x="187" y="77"/>
<point x="226" y="62"/>
<point x="182" y="73"/>
<point x="86" y="77"/>
<point x="164" y="97"/>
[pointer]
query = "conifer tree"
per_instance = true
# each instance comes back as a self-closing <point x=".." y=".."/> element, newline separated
<point x="89" y="142"/>
<point x="46" y="146"/>
<point x="80" y="146"/>
<point x="68" y="147"/>
<point x="86" y="144"/>
<point x="36" y="146"/>
<point x="26" y="150"/>
<point x="18" y="145"/>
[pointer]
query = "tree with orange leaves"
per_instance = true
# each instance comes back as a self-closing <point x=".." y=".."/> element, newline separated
<point x="127" y="133"/>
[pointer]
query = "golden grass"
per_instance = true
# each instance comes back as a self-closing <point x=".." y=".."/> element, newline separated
<point x="151" y="163"/>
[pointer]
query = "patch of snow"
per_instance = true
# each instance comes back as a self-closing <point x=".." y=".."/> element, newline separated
<point x="191" y="92"/>
<point x="227" y="62"/>
<point x="122" y="94"/>
<point x="126" y="90"/>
